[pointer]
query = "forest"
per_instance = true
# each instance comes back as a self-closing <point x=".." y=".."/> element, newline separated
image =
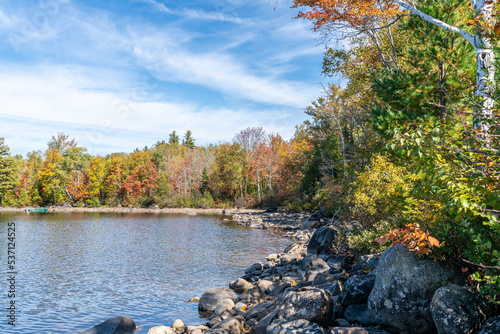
<point x="407" y="145"/>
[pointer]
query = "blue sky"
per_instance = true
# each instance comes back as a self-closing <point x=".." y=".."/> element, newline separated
<point x="121" y="74"/>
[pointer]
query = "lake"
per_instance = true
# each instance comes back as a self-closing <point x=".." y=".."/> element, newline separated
<point x="75" y="270"/>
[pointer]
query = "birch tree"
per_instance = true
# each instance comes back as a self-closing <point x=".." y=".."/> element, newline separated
<point x="325" y="12"/>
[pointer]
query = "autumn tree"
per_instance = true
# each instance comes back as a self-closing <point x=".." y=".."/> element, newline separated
<point x="61" y="143"/>
<point x="8" y="173"/>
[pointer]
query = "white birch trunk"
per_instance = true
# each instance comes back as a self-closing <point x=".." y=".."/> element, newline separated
<point x="485" y="73"/>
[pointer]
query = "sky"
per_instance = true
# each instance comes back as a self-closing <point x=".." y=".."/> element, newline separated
<point x="123" y="74"/>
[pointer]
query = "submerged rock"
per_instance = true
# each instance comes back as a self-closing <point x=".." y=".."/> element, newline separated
<point x="118" y="325"/>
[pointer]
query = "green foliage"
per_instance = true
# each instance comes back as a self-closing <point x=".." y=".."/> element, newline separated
<point x="8" y="171"/>
<point x="363" y="239"/>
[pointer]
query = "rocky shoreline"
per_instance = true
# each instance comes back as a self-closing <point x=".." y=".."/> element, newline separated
<point x="311" y="287"/>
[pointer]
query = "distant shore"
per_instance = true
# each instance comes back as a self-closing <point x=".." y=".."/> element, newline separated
<point x="230" y="211"/>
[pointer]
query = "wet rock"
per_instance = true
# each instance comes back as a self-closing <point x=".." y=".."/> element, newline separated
<point x="404" y="286"/>
<point x="322" y="242"/>
<point x="357" y="289"/>
<point x="240" y="285"/>
<point x="118" y="325"/>
<point x="299" y="326"/>
<point x="458" y="310"/>
<point x="359" y="314"/>
<point x="211" y="298"/>
<point x="491" y="326"/>
<point x="311" y="304"/>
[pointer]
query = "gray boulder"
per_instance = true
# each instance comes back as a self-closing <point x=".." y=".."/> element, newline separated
<point x="310" y="266"/>
<point x="404" y="286"/>
<point x="491" y="326"/>
<point x="260" y="310"/>
<point x="211" y="298"/>
<point x="359" y="314"/>
<point x="322" y="242"/>
<point x="118" y="325"/>
<point x="357" y="289"/>
<point x="299" y="326"/>
<point x="458" y="310"/>
<point x="311" y="304"/>
<point x="254" y="267"/>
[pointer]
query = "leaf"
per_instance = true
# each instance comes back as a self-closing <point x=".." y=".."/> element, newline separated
<point x="381" y="240"/>
<point x="433" y="242"/>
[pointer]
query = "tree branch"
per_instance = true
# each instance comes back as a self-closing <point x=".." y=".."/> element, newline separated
<point x="436" y="22"/>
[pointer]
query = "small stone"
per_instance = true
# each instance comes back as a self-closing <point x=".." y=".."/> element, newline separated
<point x="161" y="330"/>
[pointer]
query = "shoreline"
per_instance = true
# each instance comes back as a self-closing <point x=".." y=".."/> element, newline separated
<point x="228" y="212"/>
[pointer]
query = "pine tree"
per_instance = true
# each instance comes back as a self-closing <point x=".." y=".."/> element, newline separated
<point x="7" y="170"/>
<point x="173" y="138"/>
<point x="188" y="140"/>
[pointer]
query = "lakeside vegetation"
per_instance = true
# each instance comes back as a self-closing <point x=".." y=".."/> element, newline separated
<point x="402" y="145"/>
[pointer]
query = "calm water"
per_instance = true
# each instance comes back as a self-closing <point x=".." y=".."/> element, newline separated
<point x="75" y="270"/>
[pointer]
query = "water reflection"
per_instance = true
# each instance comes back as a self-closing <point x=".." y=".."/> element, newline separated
<point x="76" y="270"/>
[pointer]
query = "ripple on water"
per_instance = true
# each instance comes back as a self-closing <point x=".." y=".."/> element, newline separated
<point x="76" y="270"/>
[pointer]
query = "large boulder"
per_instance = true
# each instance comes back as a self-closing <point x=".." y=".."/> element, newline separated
<point x="211" y="298"/>
<point x="311" y="304"/>
<point x="322" y="242"/>
<point x="458" y="310"/>
<point x="491" y="326"/>
<point x="118" y="325"/>
<point x="299" y="326"/>
<point x="404" y="286"/>
<point x="357" y="289"/>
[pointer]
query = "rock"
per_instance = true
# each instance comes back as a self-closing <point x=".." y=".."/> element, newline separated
<point x="194" y="300"/>
<point x="266" y="286"/>
<point x="336" y="263"/>
<point x="338" y="308"/>
<point x="231" y="325"/>
<point x="348" y="330"/>
<point x="310" y="224"/>
<point x="240" y="285"/>
<point x="240" y="307"/>
<point x="260" y="226"/>
<point x="211" y="298"/>
<point x="301" y="235"/>
<point x="404" y="286"/>
<point x="118" y="325"/>
<point x="359" y="314"/>
<point x="310" y="266"/>
<point x="260" y="310"/>
<point x="341" y="323"/>
<point x="299" y="326"/>
<point x="458" y="310"/>
<point x="161" y="330"/>
<point x="357" y="289"/>
<point x="311" y="304"/>
<point x="252" y="296"/>
<point x="253" y="267"/>
<point x="491" y="326"/>
<point x="261" y="326"/>
<point x="325" y="277"/>
<point x="335" y="288"/>
<point x="223" y="306"/>
<point x="178" y="325"/>
<point x="371" y="261"/>
<point x="322" y="242"/>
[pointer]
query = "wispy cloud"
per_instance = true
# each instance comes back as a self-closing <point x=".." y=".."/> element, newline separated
<point x="158" y="6"/>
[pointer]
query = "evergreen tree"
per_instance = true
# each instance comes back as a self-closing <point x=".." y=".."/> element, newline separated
<point x="173" y="138"/>
<point x="8" y="171"/>
<point x="188" y="140"/>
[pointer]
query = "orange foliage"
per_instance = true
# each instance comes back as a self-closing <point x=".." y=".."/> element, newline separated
<point x="354" y="13"/>
<point x="413" y="237"/>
